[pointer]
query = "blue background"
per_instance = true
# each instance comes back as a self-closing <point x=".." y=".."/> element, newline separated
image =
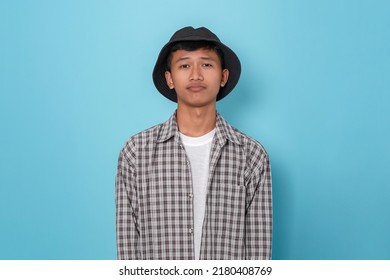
<point x="75" y="83"/>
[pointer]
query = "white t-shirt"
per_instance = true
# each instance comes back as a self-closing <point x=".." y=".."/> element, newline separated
<point x="198" y="152"/>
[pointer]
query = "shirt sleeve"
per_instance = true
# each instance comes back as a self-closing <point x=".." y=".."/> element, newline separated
<point x="127" y="233"/>
<point x="258" y="235"/>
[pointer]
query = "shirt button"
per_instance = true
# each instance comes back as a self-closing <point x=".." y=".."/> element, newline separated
<point x="190" y="195"/>
<point x="190" y="230"/>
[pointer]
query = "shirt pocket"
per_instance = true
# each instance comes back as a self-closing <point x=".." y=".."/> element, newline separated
<point x="226" y="204"/>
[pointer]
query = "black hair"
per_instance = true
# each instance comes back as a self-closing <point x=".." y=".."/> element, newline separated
<point x="193" y="46"/>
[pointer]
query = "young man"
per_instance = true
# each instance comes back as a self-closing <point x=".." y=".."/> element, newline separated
<point x="194" y="187"/>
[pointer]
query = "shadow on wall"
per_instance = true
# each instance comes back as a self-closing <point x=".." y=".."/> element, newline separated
<point x="283" y="210"/>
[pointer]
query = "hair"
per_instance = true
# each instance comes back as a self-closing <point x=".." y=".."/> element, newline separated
<point x="193" y="46"/>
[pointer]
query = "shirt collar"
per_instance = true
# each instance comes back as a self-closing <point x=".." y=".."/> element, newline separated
<point x="223" y="131"/>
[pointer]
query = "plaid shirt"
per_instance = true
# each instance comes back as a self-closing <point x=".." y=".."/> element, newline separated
<point x="154" y="201"/>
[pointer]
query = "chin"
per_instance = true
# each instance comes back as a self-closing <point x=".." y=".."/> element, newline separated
<point x="203" y="103"/>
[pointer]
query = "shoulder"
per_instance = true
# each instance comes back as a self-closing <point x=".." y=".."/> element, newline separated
<point x="141" y="141"/>
<point x="251" y="145"/>
<point x="144" y="137"/>
<point x="256" y="157"/>
<point x="256" y="154"/>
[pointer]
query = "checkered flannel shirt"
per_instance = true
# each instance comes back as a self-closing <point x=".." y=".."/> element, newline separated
<point x="154" y="201"/>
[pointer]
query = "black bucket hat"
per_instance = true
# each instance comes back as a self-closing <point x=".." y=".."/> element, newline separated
<point x="231" y="61"/>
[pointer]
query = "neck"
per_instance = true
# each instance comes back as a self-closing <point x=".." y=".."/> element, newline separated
<point x="195" y="122"/>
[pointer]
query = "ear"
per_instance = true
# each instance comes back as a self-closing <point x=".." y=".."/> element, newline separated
<point x="225" y="77"/>
<point x="169" y="80"/>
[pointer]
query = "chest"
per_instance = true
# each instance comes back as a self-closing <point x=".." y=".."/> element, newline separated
<point x="165" y="170"/>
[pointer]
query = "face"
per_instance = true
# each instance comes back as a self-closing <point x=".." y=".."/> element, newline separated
<point x="196" y="77"/>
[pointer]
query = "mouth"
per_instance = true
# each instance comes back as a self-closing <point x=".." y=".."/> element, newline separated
<point x="196" y="87"/>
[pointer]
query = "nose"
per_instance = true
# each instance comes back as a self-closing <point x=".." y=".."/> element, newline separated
<point x="196" y="73"/>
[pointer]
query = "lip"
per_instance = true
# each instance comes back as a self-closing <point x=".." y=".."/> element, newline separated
<point x="196" y="87"/>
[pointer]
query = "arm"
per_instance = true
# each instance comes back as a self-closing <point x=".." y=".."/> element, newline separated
<point x="127" y="233"/>
<point x="258" y="239"/>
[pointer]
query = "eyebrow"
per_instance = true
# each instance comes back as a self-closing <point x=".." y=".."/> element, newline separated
<point x="201" y="58"/>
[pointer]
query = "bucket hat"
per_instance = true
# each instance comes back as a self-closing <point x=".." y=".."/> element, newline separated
<point x="231" y="61"/>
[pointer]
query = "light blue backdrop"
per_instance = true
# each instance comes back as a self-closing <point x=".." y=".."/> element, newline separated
<point x="75" y="83"/>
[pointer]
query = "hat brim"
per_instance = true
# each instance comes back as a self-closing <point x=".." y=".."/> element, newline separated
<point x="231" y="61"/>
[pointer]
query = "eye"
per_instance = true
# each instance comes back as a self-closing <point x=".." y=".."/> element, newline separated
<point x="207" y="65"/>
<point x="184" y="66"/>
